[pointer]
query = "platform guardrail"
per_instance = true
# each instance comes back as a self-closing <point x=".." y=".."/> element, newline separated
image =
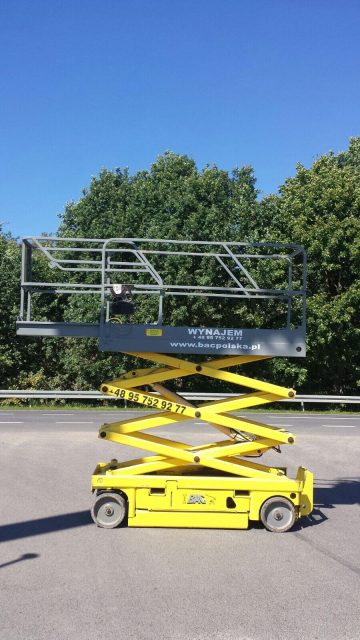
<point x="129" y="281"/>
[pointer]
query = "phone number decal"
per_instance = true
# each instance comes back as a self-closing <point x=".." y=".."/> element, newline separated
<point x="144" y="398"/>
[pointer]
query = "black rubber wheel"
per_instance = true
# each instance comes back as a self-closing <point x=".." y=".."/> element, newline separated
<point x="278" y="514"/>
<point x="108" y="510"/>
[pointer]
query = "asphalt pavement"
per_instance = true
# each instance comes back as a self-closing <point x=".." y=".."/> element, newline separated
<point x="64" y="578"/>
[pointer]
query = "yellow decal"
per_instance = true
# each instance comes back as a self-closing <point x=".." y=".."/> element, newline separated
<point x="153" y="332"/>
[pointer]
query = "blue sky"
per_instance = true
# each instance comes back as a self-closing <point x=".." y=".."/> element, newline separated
<point x="86" y="85"/>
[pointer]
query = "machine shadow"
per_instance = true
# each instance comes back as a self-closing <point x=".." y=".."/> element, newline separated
<point x="327" y="495"/>
<point x="44" y="525"/>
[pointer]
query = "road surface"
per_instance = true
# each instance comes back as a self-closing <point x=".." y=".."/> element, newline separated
<point x="64" y="578"/>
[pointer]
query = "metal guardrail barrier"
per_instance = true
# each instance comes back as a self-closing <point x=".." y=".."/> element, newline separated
<point x="96" y="395"/>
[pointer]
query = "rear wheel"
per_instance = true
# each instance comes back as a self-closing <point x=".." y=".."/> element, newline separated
<point x="278" y="514"/>
<point x="108" y="510"/>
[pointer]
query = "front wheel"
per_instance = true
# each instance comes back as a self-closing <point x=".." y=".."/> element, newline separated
<point x="278" y="514"/>
<point x="108" y="510"/>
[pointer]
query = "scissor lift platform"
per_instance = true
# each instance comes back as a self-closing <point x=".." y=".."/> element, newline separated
<point x="214" y="485"/>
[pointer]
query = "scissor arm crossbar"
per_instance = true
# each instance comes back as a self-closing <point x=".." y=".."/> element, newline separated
<point x="246" y="437"/>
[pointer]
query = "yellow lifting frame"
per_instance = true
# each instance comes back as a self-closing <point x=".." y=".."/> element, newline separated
<point x="245" y="437"/>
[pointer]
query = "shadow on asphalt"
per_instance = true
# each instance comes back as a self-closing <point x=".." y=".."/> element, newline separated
<point x="327" y="494"/>
<point x="25" y="556"/>
<point x="44" y="525"/>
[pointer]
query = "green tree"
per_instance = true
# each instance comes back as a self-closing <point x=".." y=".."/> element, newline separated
<point x="172" y="200"/>
<point x="20" y="359"/>
<point x="320" y="208"/>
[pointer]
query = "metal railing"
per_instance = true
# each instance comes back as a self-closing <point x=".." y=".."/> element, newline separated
<point x="35" y="394"/>
<point x="94" y="266"/>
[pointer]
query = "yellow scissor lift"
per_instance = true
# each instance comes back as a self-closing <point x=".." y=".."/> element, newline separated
<point x="216" y="485"/>
<point x="197" y="486"/>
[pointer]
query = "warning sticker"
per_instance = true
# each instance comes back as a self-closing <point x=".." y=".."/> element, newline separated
<point x="153" y="332"/>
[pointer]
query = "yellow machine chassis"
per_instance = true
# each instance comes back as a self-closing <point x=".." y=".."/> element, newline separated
<point x="213" y="485"/>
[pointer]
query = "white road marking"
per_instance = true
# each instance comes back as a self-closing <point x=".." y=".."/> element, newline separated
<point x="58" y="414"/>
<point x="339" y="426"/>
<point x="12" y="422"/>
<point x="271" y="424"/>
<point x="75" y="422"/>
<point x="317" y="417"/>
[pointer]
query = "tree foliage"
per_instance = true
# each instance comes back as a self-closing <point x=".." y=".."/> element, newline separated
<point x="319" y="208"/>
